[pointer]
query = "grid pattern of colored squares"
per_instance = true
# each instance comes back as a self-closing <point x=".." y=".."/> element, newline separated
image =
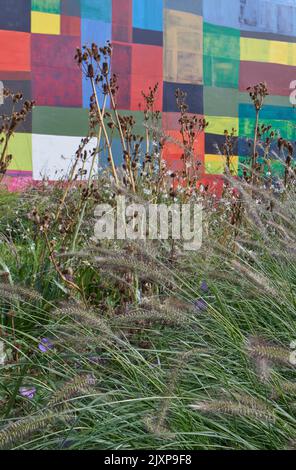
<point x="210" y="51"/>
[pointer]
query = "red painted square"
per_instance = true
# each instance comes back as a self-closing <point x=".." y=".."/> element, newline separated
<point x="70" y="26"/>
<point x="170" y="121"/>
<point x="214" y="184"/>
<point x="122" y="20"/>
<point x="57" y="86"/>
<point x="54" y="50"/>
<point x="147" y="70"/>
<point x="122" y="58"/>
<point x="277" y="76"/>
<point x="172" y="151"/>
<point x="15" y="51"/>
<point x="122" y="67"/>
<point x="56" y="79"/>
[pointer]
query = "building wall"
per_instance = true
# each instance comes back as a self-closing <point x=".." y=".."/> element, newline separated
<point x="213" y="49"/>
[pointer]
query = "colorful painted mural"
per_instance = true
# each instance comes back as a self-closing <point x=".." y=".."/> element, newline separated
<point x="212" y="49"/>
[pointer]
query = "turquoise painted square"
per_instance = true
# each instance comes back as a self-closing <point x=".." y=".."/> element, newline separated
<point x="46" y="6"/>
<point x="97" y="10"/>
<point x="148" y="14"/>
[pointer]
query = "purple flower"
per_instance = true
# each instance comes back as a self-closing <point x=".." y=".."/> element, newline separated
<point x="97" y="360"/>
<point x="204" y="287"/>
<point x="27" y="392"/>
<point x="45" y="345"/>
<point x="200" y="305"/>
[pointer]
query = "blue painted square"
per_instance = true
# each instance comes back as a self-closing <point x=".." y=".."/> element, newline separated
<point x="272" y="16"/>
<point x="194" y="97"/>
<point x="117" y="154"/>
<point x="222" y="13"/>
<point x="148" y="14"/>
<point x="244" y="149"/>
<point x="98" y="32"/>
<point x="275" y="16"/>
<point x="15" y="15"/>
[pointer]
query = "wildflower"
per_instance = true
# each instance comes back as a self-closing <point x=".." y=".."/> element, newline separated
<point x="97" y="360"/>
<point x="200" y="305"/>
<point x="204" y="287"/>
<point x="45" y="345"/>
<point x="27" y="392"/>
<point x="148" y="192"/>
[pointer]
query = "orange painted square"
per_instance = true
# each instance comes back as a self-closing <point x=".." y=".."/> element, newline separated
<point x="16" y="51"/>
<point x="147" y="70"/>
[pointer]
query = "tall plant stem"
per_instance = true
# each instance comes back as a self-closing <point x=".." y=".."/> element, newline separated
<point x="82" y="212"/>
<point x="255" y="148"/>
<point x="62" y="202"/>
<point x="3" y="155"/>
<point x="123" y="143"/>
<point x="101" y="119"/>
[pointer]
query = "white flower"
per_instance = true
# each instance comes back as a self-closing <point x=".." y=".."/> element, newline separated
<point x="148" y="192"/>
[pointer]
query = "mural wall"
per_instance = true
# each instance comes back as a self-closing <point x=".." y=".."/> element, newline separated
<point x="213" y="49"/>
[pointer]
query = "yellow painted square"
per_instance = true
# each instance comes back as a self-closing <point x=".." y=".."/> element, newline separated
<point x="20" y="147"/>
<point x="291" y="53"/>
<point x="45" y="23"/>
<point x="256" y="50"/>
<point x="219" y="124"/>
<point x="274" y="52"/>
<point x="279" y="53"/>
<point x="215" y="164"/>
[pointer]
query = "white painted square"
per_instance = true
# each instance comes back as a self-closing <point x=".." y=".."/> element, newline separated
<point x="53" y="156"/>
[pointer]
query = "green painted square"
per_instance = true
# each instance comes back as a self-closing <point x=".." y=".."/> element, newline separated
<point x="60" y="121"/>
<point x="139" y="128"/>
<point x="214" y="167"/>
<point x="221" y="72"/>
<point x="221" y="50"/>
<point x="46" y="6"/>
<point x="271" y="100"/>
<point x="221" y="101"/>
<point x="221" y="42"/>
<point x="243" y="161"/>
<point x="285" y="129"/>
<point x="277" y="167"/>
<point x="74" y="121"/>
<point x="20" y="147"/>
<point x="97" y="10"/>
